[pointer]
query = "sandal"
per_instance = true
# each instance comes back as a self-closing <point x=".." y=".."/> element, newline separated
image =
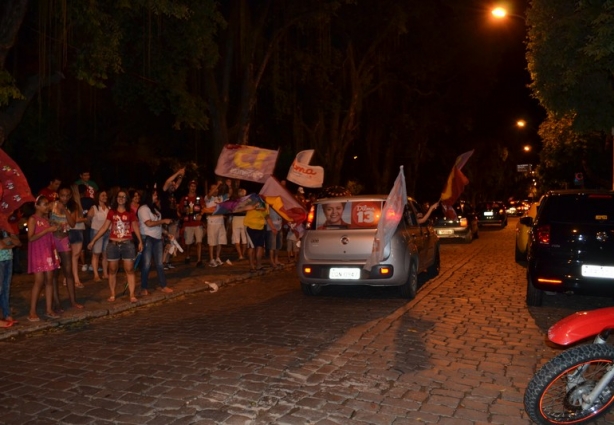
<point x="111" y="299"/>
<point x="166" y="290"/>
<point x="134" y="300"/>
<point x="79" y="285"/>
<point x="34" y="319"/>
<point x="52" y="315"/>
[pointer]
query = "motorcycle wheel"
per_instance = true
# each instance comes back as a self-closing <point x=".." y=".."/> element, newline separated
<point x="554" y="394"/>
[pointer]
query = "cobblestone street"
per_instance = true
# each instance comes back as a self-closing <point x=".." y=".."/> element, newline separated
<point x="258" y="351"/>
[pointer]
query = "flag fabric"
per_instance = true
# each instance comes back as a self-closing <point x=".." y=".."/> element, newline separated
<point x="284" y="203"/>
<point x="246" y="163"/>
<point x="456" y="182"/>
<point x="246" y="203"/>
<point x="391" y="216"/>
<point x="303" y="174"/>
<point x="14" y="189"/>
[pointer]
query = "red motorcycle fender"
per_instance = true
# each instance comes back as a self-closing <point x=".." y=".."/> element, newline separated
<point x="581" y="325"/>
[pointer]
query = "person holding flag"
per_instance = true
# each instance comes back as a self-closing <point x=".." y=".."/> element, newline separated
<point x="255" y="221"/>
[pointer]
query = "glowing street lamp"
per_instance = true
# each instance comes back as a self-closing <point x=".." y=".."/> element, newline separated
<point x="521" y="123"/>
<point x="499" y="12"/>
<point x="502" y="13"/>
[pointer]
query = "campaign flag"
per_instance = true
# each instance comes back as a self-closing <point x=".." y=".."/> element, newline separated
<point x="456" y="183"/>
<point x="303" y="174"/>
<point x="246" y="163"/>
<point x="391" y="216"/>
<point x="14" y="189"/>
<point x="246" y="203"/>
<point x="284" y="203"/>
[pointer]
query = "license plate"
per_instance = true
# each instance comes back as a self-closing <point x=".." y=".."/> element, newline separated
<point x="598" y="271"/>
<point x="445" y="232"/>
<point x="488" y="213"/>
<point x="344" y="273"/>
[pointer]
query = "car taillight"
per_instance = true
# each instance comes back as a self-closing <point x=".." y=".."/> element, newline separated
<point x="310" y="217"/>
<point x="543" y="234"/>
<point x="463" y="222"/>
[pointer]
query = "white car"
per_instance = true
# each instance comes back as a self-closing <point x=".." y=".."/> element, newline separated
<point x="340" y="238"/>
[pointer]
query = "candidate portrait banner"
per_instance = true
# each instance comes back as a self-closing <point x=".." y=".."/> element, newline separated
<point x="303" y="174"/>
<point x="246" y="163"/>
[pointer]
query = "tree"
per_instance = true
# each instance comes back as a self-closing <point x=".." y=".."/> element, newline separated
<point x="145" y="50"/>
<point x="566" y="152"/>
<point x="570" y="52"/>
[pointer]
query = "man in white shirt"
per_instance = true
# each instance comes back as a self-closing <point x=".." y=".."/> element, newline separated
<point x="216" y="230"/>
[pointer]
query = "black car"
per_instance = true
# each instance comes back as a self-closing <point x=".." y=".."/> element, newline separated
<point x="491" y="213"/>
<point x="463" y="225"/>
<point x="571" y="244"/>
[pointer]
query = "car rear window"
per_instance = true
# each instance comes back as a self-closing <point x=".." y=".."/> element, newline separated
<point x="347" y="215"/>
<point x="579" y="208"/>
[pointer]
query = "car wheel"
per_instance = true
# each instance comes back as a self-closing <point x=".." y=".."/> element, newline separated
<point x="410" y="288"/>
<point x="534" y="296"/>
<point x="311" y="289"/>
<point x="519" y="255"/>
<point x="433" y="270"/>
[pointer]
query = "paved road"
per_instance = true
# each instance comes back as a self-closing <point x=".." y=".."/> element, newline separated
<point x="259" y="352"/>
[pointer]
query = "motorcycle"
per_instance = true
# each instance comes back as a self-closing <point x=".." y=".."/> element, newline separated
<point x="576" y="386"/>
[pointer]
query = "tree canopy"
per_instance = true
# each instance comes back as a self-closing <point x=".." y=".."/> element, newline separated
<point x="570" y="52"/>
<point x="133" y="83"/>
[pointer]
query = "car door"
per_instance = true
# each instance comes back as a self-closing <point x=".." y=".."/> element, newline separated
<point x="419" y="233"/>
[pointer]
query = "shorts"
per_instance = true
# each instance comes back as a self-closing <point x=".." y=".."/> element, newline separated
<point x="121" y="250"/>
<point x="62" y="245"/>
<point x="238" y="230"/>
<point x="216" y="234"/>
<point x="100" y="245"/>
<point x="75" y="236"/>
<point x="273" y="240"/>
<point x="255" y="238"/>
<point x="192" y="233"/>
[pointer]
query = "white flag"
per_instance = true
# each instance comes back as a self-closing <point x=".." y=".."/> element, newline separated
<point x="388" y="222"/>
<point x="302" y="173"/>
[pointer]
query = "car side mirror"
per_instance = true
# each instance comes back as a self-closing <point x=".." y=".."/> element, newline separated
<point x="526" y="221"/>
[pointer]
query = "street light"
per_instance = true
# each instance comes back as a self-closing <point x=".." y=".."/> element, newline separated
<point x="502" y="13"/>
<point x="499" y="12"/>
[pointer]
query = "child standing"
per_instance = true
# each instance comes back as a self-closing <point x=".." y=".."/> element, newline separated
<point x="42" y="257"/>
<point x="7" y="243"/>
<point x="292" y="248"/>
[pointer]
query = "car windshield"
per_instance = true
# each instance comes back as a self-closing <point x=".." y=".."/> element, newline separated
<point x="347" y="215"/>
<point x="579" y="208"/>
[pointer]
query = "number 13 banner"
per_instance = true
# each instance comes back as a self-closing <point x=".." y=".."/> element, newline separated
<point x="391" y="216"/>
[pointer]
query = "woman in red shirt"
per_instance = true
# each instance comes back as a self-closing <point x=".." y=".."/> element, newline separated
<point x="123" y="222"/>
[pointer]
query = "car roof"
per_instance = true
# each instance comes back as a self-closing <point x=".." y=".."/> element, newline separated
<point x="355" y="198"/>
<point x="580" y="191"/>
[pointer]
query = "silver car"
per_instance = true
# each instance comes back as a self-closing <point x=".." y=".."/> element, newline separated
<point x="339" y="241"/>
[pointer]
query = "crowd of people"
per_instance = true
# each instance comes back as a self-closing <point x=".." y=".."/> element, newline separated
<point x="83" y="228"/>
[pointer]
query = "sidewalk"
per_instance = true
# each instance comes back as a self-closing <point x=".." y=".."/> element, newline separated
<point x="184" y="279"/>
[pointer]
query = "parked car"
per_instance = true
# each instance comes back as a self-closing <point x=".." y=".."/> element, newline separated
<point x="340" y="238"/>
<point x="523" y="227"/>
<point x="517" y="208"/>
<point x="464" y="226"/>
<point x="491" y="213"/>
<point x="571" y="244"/>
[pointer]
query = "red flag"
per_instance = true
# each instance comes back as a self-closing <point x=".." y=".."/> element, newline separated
<point x="282" y="201"/>
<point x="456" y="181"/>
<point x="14" y="189"/>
